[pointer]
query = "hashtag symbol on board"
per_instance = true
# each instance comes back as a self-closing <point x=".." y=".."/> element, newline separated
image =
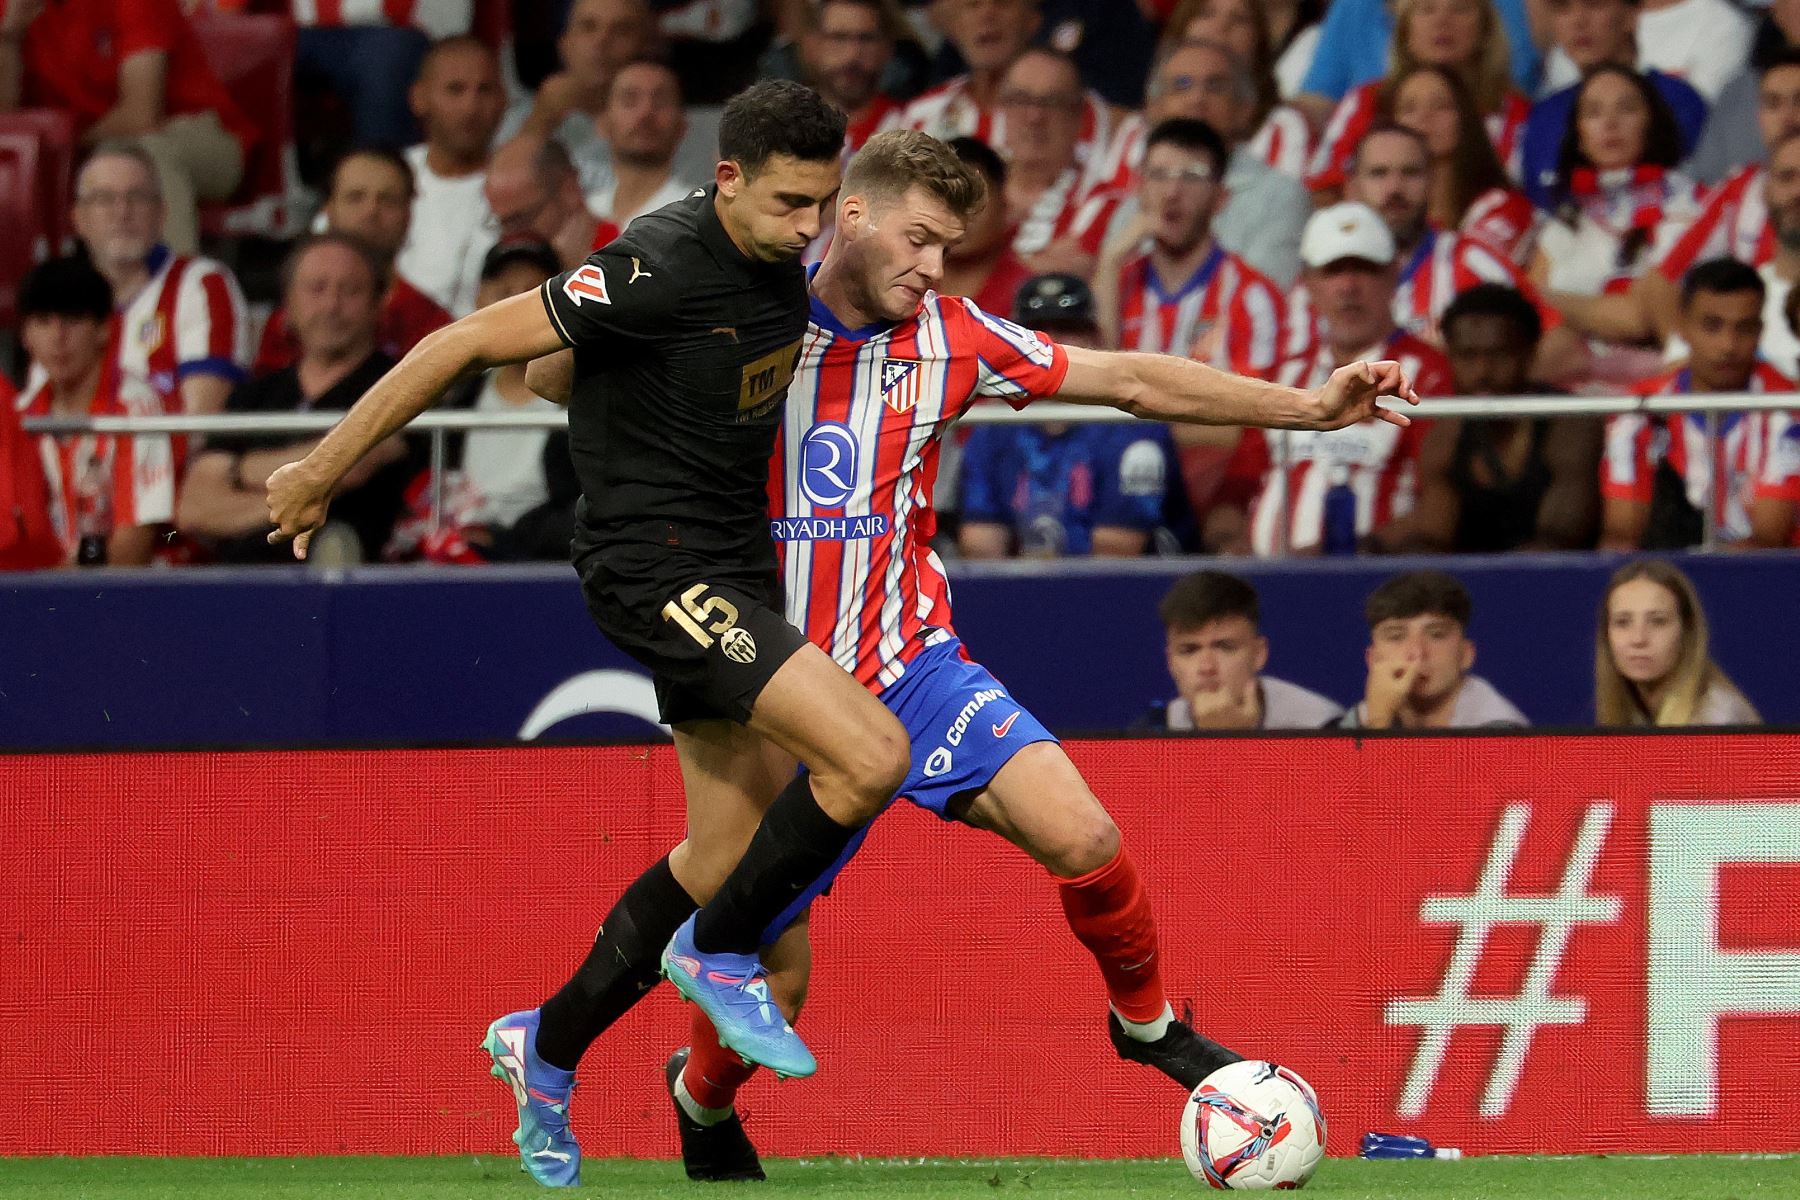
<point x="1476" y="915"/>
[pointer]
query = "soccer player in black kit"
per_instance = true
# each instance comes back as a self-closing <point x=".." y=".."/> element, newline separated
<point x="685" y="333"/>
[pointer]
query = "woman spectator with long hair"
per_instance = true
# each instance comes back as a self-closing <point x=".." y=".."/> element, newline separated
<point x="1470" y="190"/>
<point x="1465" y="37"/>
<point x="1651" y="661"/>
<point x="1616" y="186"/>
<point x="1276" y="133"/>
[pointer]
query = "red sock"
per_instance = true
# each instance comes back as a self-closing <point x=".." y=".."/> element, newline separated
<point x="1111" y="916"/>
<point x="713" y="1074"/>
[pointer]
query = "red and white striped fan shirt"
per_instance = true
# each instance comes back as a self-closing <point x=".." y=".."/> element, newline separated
<point x="1505" y="220"/>
<point x="1758" y="453"/>
<point x="1376" y="459"/>
<point x="1284" y="142"/>
<point x="188" y="318"/>
<point x="1733" y="223"/>
<point x="1356" y="113"/>
<point x="850" y="487"/>
<point x="133" y="479"/>
<point x="1067" y="210"/>
<point x="438" y="18"/>
<point x="1443" y="266"/>
<point x="951" y="110"/>
<point x="1228" y="313"/>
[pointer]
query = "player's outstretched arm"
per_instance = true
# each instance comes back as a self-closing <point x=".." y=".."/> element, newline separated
<point x="1161" y="387"/>
<point x="513" y="330"/>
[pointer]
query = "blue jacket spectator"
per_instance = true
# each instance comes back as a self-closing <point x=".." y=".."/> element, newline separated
<point x="1045" y="491"/>
<point x="1054" y="490"/>
<point x="1542" y="140"/>
<point x="1356" y="35"/>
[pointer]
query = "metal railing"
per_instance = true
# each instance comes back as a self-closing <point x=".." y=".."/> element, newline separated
<point x="440" y="423"/>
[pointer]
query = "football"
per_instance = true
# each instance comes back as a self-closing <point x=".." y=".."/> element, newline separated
<point x="1253" y="1126"/>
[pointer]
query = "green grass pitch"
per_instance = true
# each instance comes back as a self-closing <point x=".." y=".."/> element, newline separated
<point x="490" y="1178"/>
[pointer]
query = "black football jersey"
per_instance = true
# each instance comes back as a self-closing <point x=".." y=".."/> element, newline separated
<point x="684" y="348"/>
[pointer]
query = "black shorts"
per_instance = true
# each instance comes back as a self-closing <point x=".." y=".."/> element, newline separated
<point x="711" y="638"/>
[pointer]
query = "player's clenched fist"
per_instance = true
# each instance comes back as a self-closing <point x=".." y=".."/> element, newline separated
<point x="1353" y="393"/>
<point x="297" y="502"/>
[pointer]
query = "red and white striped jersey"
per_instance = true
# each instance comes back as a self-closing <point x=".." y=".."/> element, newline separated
<point x="1227" y="314"/>
<point x="188" y="318"/>
<point x="1377" y="460"/>
<point x="438" y="18"/>
<point x="1067" y="210"/>
<point x="950" y="110"/>
<point x="1758" y="453"/>
<point x="1505" y="220"/>
<point x="1356" y="113"/>
<point x="124" y="481"/>
<point x="1284" y="142"/>
<point x="850" y="486"/>
<point x="1442" y="267"/>
<point x="1116" y="166"/>
<point x="1733" y="223"/>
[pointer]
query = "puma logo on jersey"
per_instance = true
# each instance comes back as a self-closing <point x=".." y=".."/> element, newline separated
<point x="637" y="272"/>
<point x="729" y="331"/>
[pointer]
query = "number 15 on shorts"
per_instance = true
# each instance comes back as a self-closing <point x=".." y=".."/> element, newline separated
<point x="700" y="615"/>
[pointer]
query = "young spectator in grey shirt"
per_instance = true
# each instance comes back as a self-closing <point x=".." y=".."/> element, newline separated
<point x="1419" y="658"/>
<point x="1216" y="654"/>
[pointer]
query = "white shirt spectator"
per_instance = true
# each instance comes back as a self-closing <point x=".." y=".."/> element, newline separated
<point x="1583" y="256"/>
<point x="1295" y="62"/>
<point x="452" y="228"/>
<point x="436" y="18"/>
<point x="1780" y="348"/>
<point x="1478" y="704"/>
<point x="506" y="466"/>
<point x="1284" y="706"/>
<point x="1706" y="42"/>
<point x="600" y="200"/>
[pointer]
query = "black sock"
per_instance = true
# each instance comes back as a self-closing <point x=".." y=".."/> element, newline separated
<point x="624" y="964"/>
<point x="795" y="844"/>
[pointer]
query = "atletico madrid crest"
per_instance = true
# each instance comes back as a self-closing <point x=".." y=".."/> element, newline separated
<point x="900" y="383"/>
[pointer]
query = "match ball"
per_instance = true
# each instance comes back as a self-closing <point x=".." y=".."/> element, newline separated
<point x="1253" y="1127"/>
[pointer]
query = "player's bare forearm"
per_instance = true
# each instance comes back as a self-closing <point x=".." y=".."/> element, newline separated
<point x="552" y="377"/>
<point x="1161" y="387"/>
<point x="514" y="330"/>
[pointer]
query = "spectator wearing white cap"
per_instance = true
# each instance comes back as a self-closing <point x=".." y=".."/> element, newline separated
<point x="1328" y="492"/>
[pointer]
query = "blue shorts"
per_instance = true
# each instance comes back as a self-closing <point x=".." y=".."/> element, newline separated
<point x="964" y="727"/>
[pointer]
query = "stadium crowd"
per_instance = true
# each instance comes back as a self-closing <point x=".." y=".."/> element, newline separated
<point x="1593" y="197"/>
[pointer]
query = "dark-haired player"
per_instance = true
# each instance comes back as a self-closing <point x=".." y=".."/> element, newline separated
<point x="684" y="333"/>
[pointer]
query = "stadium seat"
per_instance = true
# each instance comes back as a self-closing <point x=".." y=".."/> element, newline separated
<point x="21" y="215"/>
<point x="55" y="131"/>
<point x="254" y="58"/>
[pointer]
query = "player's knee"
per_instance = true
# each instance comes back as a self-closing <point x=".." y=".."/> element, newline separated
<point x="879" y="764"/>
<point x="1089" y="841"/>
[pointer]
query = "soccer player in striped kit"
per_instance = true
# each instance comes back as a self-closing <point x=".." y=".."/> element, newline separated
<point x="886" y="366"/>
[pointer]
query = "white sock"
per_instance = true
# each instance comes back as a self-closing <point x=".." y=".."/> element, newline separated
<point x="1147" y="1031"/>
<point x="691" y="1106"/>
